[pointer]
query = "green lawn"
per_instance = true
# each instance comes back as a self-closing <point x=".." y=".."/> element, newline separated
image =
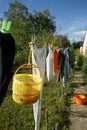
<point x="55" y="110"/>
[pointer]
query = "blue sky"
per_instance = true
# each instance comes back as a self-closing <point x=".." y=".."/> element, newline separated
<point x="71" y="15"/>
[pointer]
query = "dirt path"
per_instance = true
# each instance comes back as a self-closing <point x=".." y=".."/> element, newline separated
<point x="78" y="114"/>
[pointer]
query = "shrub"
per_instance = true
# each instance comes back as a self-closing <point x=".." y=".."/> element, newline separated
<point x="80" y="60"/>
<point x="84" y="68"/>
<point x="72" y="57"/>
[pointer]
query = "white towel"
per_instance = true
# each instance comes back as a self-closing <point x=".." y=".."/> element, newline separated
<point x="38" y="58"/>
<point x="49" y="64"/>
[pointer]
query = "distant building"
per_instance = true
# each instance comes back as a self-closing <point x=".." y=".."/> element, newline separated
<point x="85" y="44"/>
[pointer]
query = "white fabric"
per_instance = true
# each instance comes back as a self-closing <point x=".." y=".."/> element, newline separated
<point x="38" y="57"/>
<point x="49" y="64"/>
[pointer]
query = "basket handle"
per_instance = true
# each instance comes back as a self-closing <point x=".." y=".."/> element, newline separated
<point x="26" y="66"/>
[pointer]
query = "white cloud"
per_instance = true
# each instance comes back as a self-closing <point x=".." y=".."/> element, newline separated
<point x="79" y="33"/>
<point x="76" y="36"/>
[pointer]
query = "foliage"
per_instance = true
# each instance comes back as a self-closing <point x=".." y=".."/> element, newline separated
<point x="49" y="38"/>
<point x="77" y="44"/>
<point x="44" y="38"/>
<point x="84" y="68"/>
<point x="64" y="41"/>
<point x="43" y="21"/>
<point x="21" y="25"/>
<point x="77" y="53"/>
<point x="80" y="60"/>
<point x="25" y="24"/>
<point x="72" y="57"/>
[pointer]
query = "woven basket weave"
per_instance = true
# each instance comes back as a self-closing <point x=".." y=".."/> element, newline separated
<point x="26" y="87"/>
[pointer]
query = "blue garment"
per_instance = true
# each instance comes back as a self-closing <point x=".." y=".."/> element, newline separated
<point x="66" y="66"/>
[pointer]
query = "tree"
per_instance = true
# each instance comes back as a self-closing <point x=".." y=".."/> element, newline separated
<point x="77" y="44"/>
<point x="25" y="24"/>
<point x="20" y="29"/>
<point x="43" y="21"/>
<point x="21" y="26"/>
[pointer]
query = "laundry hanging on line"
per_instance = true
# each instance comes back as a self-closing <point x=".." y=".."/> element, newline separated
<point x="58" y="62"/>
<point x="39" y="57"/>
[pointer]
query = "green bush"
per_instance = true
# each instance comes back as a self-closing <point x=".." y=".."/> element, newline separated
<point x="21" y="56"/>
<point x="84" y="66"/>
<point x="84" y="69"/>
<point x="80" y="60"/>
<point x="72" y="57"/>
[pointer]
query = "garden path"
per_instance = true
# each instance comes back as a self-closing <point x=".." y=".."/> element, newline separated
<point x="78" y="114"/>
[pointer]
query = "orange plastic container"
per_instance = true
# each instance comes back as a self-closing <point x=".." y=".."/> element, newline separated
<point x="80" y="99"/>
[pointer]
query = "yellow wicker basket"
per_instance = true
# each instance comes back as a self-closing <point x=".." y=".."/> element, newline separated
<point x="26" y="87"/>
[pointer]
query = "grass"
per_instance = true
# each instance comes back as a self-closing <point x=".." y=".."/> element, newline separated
<point x="55" y="109"/>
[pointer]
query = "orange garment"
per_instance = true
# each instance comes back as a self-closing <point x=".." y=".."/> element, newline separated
<point x="55" y="57"/>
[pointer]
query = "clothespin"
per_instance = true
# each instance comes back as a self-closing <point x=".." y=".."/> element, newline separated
<point x="30" y="46"/>
<point x="32" y="41"/>
<point x="33" y="38"/>
<point x="5" y="26"/>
